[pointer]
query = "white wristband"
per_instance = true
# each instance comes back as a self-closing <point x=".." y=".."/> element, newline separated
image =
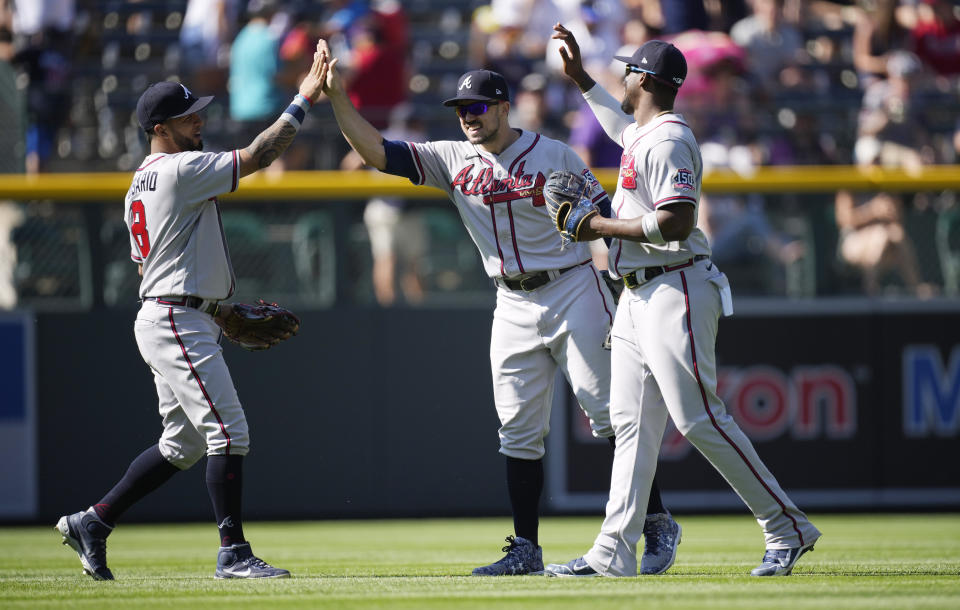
<point x="651" y="228"/>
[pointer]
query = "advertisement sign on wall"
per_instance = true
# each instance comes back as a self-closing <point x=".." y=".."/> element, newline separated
<point x="18" y="477"/>
<point x="846" y="411"/>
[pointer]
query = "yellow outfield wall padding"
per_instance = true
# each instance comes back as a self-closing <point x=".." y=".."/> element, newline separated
<point x="318" y="185"/>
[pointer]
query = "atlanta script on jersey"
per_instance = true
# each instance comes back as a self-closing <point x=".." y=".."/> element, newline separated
<point x="500" y="198"/>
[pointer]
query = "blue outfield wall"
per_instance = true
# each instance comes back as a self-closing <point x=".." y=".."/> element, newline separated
<point x="387" y="413"/>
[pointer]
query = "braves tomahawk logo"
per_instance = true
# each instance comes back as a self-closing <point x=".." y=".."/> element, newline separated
<point x="520" y="185"/>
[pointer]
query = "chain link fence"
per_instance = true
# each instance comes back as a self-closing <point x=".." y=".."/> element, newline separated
<point x="76" y="256"/>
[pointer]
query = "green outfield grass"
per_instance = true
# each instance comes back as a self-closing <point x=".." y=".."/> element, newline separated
<point x="863" y="561"/>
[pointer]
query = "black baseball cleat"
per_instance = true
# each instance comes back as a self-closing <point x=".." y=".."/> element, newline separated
<point x="238" y="561"/>
<point x="87" y="535"/>
<point x="522" y="557"/>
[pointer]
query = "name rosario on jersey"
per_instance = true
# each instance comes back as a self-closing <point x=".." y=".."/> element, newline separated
<point x="498" y="190"/>
<point x="146" y="181"/>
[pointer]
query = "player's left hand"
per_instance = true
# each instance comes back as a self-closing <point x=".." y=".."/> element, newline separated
<point x="564" y="193"/>
<point x="257" y="327"/>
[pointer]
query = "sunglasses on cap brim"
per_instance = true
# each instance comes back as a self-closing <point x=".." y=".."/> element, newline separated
<point x="476" y="108"/>
<point x="634" y="69"/>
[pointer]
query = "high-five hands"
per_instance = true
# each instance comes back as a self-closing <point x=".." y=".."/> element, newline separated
<point x="312" y="83"/>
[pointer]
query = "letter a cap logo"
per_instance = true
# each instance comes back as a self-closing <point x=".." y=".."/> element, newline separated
<point x="480" y="86"/>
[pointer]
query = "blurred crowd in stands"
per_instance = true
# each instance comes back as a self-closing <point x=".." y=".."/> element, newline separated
<point x="771" y="82"/>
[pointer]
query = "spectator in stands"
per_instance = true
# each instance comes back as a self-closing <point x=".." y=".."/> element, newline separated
<point x="205" y="36"/>
<point x="399" y="239"/>
<point x="11" y="214"/>
<point x="743" y="241"/>
<point x="877" y="32"/>
<point x="891" y="119"/>
<point x="507" y="36"/>
<point x="341" y="16"/>
<point x="597" y="26"/>
<point x="683" y="15"/>
<point x="532" y="112"/>
<point x="31" y="17"/>
<point x="715" y="96"/>
<point x="936" y="36"/>
<point x="255" y="67"/>
<point x="375" y="71"/>
<point x="873" y="238"/>
<point x="774" y="47"/>
<point x="45" y="60"/>
<point x="6" y="25"/>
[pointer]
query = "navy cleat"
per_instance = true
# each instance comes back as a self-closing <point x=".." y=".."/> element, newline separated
<point x="522" y="557"/>
<point x="779" y="562"/>
<point x="661" y="536"/>
<point x="238" y="561"/>
<point x="574" y="567"/>
<point x="86" y="534"/>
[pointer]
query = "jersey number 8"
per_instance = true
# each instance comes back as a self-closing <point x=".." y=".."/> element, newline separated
<point x="138" y="226"/>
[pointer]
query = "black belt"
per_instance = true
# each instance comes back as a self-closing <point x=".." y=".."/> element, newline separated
<point x="532" y="281"/>
<point x="643" y="275"/>
<point x="206" y="306"/>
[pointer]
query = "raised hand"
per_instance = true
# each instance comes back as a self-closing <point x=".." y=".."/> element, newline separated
<point x="312" y="83"/>
<point x="332" y="83"/>
<point x="570" y="55"/>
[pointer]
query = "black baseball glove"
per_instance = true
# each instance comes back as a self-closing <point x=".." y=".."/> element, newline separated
<point x="258" y="326"/>
<point x="570" y="209"/>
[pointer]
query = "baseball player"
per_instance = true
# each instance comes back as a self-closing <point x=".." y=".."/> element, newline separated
<point x="664" y="334"/>
<point x="177" y="240"/>
<point x="553" y="309"/>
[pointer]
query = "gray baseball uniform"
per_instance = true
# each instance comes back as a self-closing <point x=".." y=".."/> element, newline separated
<point x="560" y="323"/>
<point x="663" y="350"/>
<point x="172" y="212"/>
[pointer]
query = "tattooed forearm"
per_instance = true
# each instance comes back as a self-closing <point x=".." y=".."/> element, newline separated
<point x="271" y="143"/>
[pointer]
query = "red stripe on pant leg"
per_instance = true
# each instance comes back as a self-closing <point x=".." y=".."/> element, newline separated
<point x="706" y="406"/>
<point x="199" y="382"/>
<point x="596" y="279"/>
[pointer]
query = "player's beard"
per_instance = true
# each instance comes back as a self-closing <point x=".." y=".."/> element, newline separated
<point x="186" y="144"/>
<point x="627" y="106"/>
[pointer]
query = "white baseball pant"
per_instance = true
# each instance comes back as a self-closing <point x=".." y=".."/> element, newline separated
<point x="198" y="402"/>
<point x="664" y="363"/>
<point x="562" y="323"/>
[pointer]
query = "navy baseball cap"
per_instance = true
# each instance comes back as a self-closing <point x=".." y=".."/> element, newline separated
<point x="167" y="100"/>
<point x="661" y="59"/>
<point x="480" y="86"/>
